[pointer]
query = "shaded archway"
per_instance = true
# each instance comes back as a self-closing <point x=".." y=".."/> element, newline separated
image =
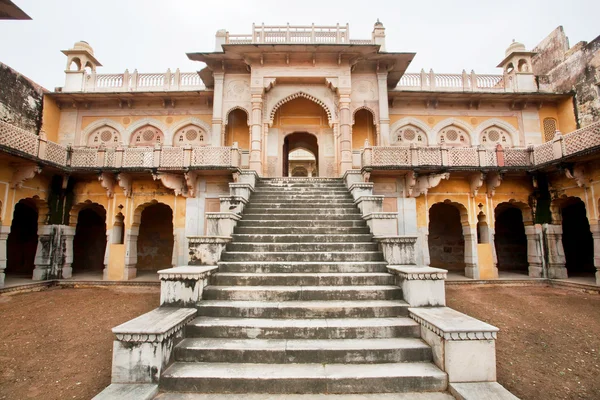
<point x="510" y="239"/>
<point x="89" y="243"/>
<point x="300" y="140"/>
<point x="363" y="128"/>
<point x="446" y="240"/>
<point x="577" y="240"/>
<point x="237" y="129"/>
<point x="155" y="239"/>
<point x="22" y="241"/>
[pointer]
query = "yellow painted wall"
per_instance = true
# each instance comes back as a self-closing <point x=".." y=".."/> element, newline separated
<point x="50" y="118"/>
<point x="566" y="116"/>
<point x="473" y="121"/>
<point x="362" y="129"/>
<point x="238" y="130"/>
<point x="300" y="112"/>
<point x="130" y="119"/>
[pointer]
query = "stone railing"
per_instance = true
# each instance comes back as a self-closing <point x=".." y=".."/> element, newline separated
<point x="295" y="34"/>
<point x="430" y="81"/>
<point x="136" y="82"/>
<point x="577" y="142"/>
<point x="19" y="141"/>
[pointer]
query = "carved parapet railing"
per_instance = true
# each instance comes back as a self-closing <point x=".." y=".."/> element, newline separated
<point x="581" y="140"/>
<point x="296" y="34"/>
<point x="20" y="141"/>
<point x="136" y="82"/>
<point x="472" y="82"/>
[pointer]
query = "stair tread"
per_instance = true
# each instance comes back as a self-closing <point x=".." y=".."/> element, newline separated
<point x="296" y="288"/>
<point x="303" y="303"/>
<point x="267" y="396"/>
<point x="300" y="371"/>
<point x="303" y="274"/>
<point x="303" y="323"/>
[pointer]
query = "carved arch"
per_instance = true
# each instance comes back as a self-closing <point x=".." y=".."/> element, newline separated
<point x="91" y="128"/>
<point x="74" y="213"/>
<point x="330" y="113"/>
<point x="170" y="135"/>
<point x="41" y="207"/>
<point x="488" y="123"/>
<point x="369" y="109"/>
<point x="462" y="209"/>
<point x="556" y="206"/>
<point x="137" y="214"/>
<point x="146" y="121"/>
<point x="526" y="211"/>
<point x="226" y="118"/>
<point x="448" y="122"/>
<point x="414" y="122"/>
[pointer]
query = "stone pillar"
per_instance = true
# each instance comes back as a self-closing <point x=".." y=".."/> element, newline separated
<point x="217" y="117"/>
<point x="471" y="266"/>
<point x="556" y="252"/>
<point x="345" y="135"/>
<point x="109" y="241"/>
<point x="595" y="228"/>
<point x="256" y="134"/>
<point x="4" y="231"/>
<point x="131" y="238"/>
<point x="534" y="250"/>
<point x="384" y="114"/>
<point x="68" y="232"/>
<point x="43" y="253"/>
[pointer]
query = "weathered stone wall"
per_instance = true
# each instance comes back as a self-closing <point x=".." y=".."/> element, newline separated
<point x="572" y="69"/>
<point x="21" y="100"/>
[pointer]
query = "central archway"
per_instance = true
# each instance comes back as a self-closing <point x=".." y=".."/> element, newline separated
<point x="300" y="141"/>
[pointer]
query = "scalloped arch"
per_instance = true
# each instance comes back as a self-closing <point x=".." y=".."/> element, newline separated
<point x="226" y="119"/>
<point x="41" y="207"/>
<point x="488" y="123"/>
<point x="298" y="95"/>
<point x="83" y="139"/>
<point x="169" y="137"/>
<point x="447" y="122"/>
<point x="74" y="213"/>
<point x="137" y="213"/>
<point x="147" y="121"/>
<point x="373" y="113"/>
<point x="462" y="209"/>
<point x="412" y="121"/>
<point x="526" y="211"/>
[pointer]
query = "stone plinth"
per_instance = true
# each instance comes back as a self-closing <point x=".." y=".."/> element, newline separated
<point x="183" y="286"/>
<point x="398" y="250"/>
<point x="221" y="223"/>
<point x="382" y="223"/>
<point x="241" y="190"/>
<point x="143" y="346"/>
<point x="370" y="204"/>
<point x="421" y="286"/>
<point x="248" y="176"/>
<point x="463" y="347"/>
<point x="352" y="176"/>
<point x="233" y="204"/>
<point x="206" y="250"/>
<point x="361" y="189"/>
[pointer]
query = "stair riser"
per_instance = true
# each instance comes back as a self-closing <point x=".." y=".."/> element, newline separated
<point x="300" y="189"/>
<point x="293" y="217"/>
<point x="210" y="293"/>
<point x="306" y="238"/>
<point x="303" y="231"/>
<point x="320" y="356"/>
<point x="303" y="211"/>
<point x="301" y="332"/>
<point x="299" y="256"/>
<point x="301" y="268"/>
<point x="301" y="247"/>
<point x="280" y="198"/>
<point x="298" y="224"/>
<point x="301" y="204"/>
<point x="254" y="280"/>
<point x="302" y="313"/>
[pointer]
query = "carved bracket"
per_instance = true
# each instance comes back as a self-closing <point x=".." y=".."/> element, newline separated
<point x="578" y="173"/>
<point x="125" y="182"/>
<point x="172" y="181"/>
<point x="108" y="182"/>
<point x="191" y="180"/>
<point x="419" y="185"/>
<point x="23" y="172"/>
<point x="494" y="179"/>
<point x="476" y="182"/>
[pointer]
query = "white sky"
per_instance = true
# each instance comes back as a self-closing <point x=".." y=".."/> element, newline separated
<point x="153" y="35"/>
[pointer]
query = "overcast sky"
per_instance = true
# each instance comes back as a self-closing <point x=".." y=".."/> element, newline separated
<point x="153" y="35"/>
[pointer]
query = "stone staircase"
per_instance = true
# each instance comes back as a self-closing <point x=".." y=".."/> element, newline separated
<point x="302" y="303"/>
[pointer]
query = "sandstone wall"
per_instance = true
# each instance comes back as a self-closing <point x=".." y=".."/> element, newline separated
<point x="21" y="100"/>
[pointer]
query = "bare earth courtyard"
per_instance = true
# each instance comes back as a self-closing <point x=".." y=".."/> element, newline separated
<point x="56" y="344"/>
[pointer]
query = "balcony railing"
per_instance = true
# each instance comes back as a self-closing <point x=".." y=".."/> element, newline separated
<point x="19" y="141"/>
<point x="430" y="81"/>
<point x="136" y="82"/>
<point x="296" y="34"/>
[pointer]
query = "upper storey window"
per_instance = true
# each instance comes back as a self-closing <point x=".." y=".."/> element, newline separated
<point x="104" y="136"/>
<point x="493" y="136"/>
<point x="147" y="135"/>
<point x="454" y="136"/>
<point x="190" y="135"/>
<point x="410" y="134"/>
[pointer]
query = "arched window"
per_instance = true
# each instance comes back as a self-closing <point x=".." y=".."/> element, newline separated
<point x="550" y="128"/>
<point x="454" y="136"/>
<point x="409" y="134"/>
<point x="104" y="136"/>
<point x="147" y="135"/>
<point x="493" y="136"/>
<point x="190" y="135"/>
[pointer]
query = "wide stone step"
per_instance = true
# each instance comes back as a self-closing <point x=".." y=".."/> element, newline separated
<point x="283" y="351"/>
<point x="303" y="309"/>
<point x="302" y="256"/>
<point x="267" y="396"/>
<point x="259" y="198"/>
<point x="337" y="216"/>
<point x="334" y="328"/>
<point x="304" y="186"/>
<point x="301" y="223"/>
<point x="332" y="237"/>
<point x="294" y="293"/>
<point x="303" y="378"/>
<point x="300" y="231"/>
<point x="306" y="211"/>
<point x="305" y="189"/>
<point x="301" y="279"/>
<point x="301" y="204"/>
<point x="302" y="266"/>
<point x="302" y="247"/>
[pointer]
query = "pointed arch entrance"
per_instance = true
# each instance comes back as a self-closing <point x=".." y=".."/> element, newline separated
<point x="22" y="241"/>
<point x="300" y="141"/>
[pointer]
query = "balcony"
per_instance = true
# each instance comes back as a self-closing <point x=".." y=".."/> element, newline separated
<point x="435" y="82"/>
<point x="298" y="34"/>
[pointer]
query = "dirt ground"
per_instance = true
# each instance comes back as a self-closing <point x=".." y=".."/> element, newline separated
<point x="549" y="338"/>
<point x="57" y="343"/>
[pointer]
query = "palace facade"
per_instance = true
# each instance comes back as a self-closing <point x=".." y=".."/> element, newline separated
<point x="122" y="174"/>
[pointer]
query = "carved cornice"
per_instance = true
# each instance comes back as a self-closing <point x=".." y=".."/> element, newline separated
<point x="222" y="215"/>
<point x="186" y="273"/>
<point x="396" y="239"/>
<point x="23" y="172"/>
<point x="208" y="239"/>
<point x="418" y="273"/>
<point x="455" y="335"/>
<point x="143" y="329"/>
<point x="380" y="215"/>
